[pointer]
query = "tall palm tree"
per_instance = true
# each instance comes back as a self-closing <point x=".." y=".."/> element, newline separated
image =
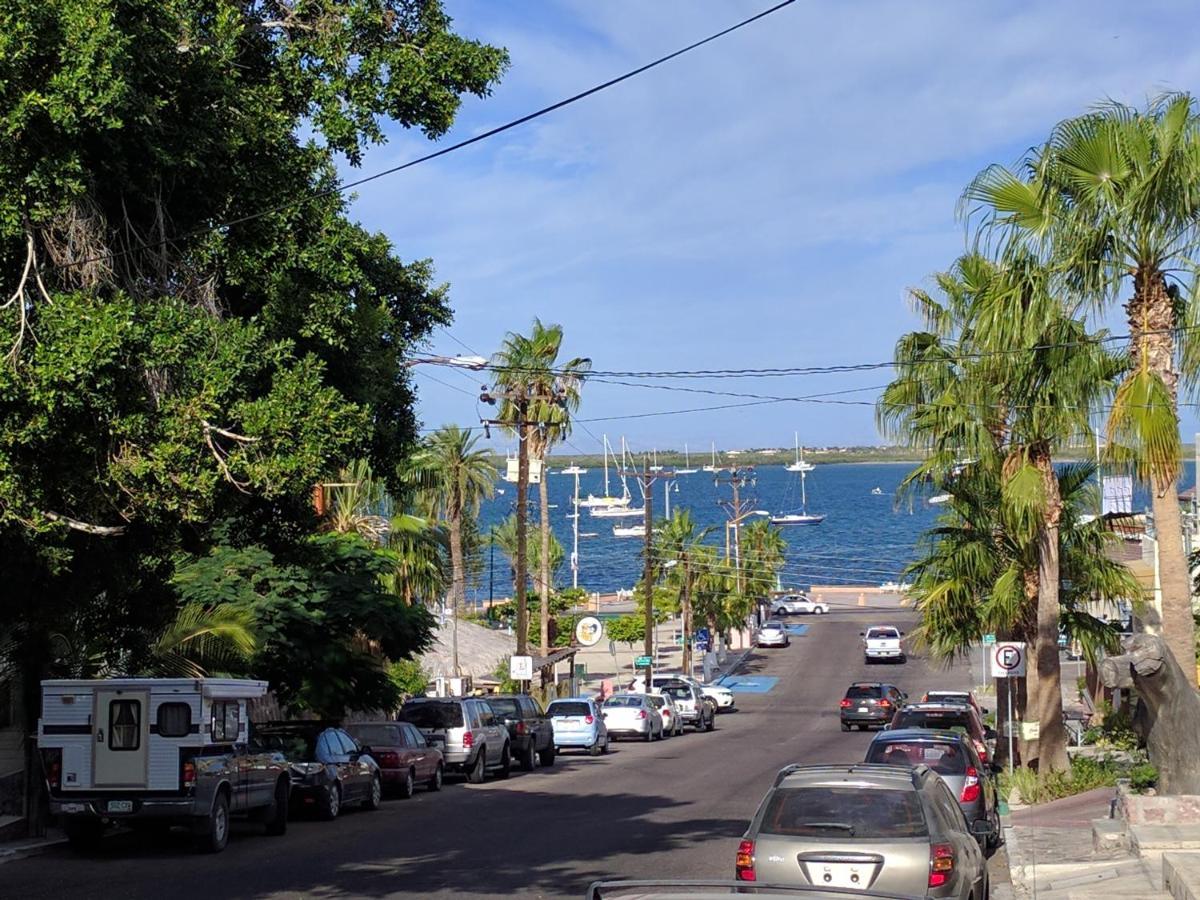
<point x="678" y="539"/>
<point x="763" y="552"/>
<point x="1112" y="201"/>
<point x="528" y="367"/>
<point x="453" y="477"/>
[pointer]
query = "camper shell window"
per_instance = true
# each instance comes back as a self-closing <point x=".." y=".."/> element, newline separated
<point x="174" y="720"/>
<point x="226" y="720"/>
<point x="124" y="724"/>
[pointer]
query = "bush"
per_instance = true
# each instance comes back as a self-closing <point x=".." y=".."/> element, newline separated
<point x="1115" y="731"/>
<point x="1086" y="774"/>
<point x="409" y="677"/>
<point x="1143" y="776"/>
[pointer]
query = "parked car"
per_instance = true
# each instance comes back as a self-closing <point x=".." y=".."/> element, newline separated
<point x="530" y="733"/>
<point x="693" y="708"/>
<point x="894" y="830"/>
<point x="966" y="697"/>
<point x="882" y="643"/>
<point x="870" y="704"/>
<point x="672" y="721"/>
<point x="632" y="715"/>
<point x="721" y="696"/>
<point x="948" y="716"/>
<point x="472" y="740"/>
<point x="952" y="755"/>
<point x="329" y="768"/>
<point x="163" y="751"/>
<point x="578" y="722"/>
<point x="798" y="604"/>
<point x="405" y="756"/>
<point x="772" y="634"/>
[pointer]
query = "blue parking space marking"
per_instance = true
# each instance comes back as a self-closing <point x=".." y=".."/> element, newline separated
<point x="797" y="630"/>
<point x="749" y="684"/>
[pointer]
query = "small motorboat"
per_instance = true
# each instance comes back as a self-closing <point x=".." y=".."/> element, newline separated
<point x="878" y="492"/>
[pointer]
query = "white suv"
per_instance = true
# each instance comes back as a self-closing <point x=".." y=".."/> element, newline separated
<point x="720" y="695"/>
<point x="798" y="604"/>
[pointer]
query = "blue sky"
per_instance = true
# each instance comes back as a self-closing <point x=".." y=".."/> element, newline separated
<point x="763" y="201"/>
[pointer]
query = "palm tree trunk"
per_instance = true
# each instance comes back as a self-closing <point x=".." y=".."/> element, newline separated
<point x="1151" y="314"/>
<point x="522" y="512"/>
<point x="686" y="604"/>
<point x="457" y="578"/>
<point x="544" y="497"/>
<point x="1052" y="734"/>
<point x="1025" y="690"/>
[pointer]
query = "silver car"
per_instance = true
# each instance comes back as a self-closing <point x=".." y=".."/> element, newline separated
<point x="632" y="715"/>
<point x="772" y="634"/>
<point x="865" y="828"/>
<point x="672" y="721"/>
<point x="471" y="738"/>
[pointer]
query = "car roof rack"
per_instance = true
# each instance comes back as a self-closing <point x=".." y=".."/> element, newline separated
<point x="898" y="773"/>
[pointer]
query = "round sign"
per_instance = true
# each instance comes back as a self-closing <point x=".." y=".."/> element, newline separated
<point x="588" y="631"/>
<point x="1009" y="658"/>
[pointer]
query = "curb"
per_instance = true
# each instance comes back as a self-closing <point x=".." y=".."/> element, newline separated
<point x="24" y="851"/>
<point x="733" y="664"/>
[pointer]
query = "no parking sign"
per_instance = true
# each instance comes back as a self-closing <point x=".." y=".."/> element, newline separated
<point x="1008" y="660"/>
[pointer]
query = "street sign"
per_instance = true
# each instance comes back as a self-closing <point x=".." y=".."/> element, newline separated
<point x="1008" y="660"/>
<point x="988" y="640"/>
<point x="642" y="661"/>
<point x="520" y="668"/>
<point x="588" y="631"/>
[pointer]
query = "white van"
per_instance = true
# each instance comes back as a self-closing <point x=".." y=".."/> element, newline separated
<point x="171" y="750"/>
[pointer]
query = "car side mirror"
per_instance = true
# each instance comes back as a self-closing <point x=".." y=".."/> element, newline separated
<point x="862" y="634"/>
<point x="364" y="751"/>
<point x="982" y="828"/>
<point x="990" y="734"/>
<point x="430" y="742"/>
<point x="902" y="634"/>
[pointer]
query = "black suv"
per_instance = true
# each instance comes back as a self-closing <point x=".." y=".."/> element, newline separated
<point x="532" y="733"/>
<point x="870" y="703"/>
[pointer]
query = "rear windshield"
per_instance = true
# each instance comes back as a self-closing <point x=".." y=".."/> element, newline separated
<point x="296" y="746"/>
<point x="934" y="718"/>
<point x="943" y="757"/>
<point x="876" y="633"/>
<point x="862" y="690"/>
<point x="678" y="691"/>
<point x="657" y="701"/>
<point x="432" y="715"/>
<point x="568" y="708"/>
<point x="831" y="812"/>
<point x="505" y="709"/>
<point x="956" y="699"/>
<point x="624" y="701"/>
<point x="376" y="735"/>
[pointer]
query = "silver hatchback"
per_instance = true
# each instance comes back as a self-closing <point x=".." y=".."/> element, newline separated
<point x="866" y="828"/>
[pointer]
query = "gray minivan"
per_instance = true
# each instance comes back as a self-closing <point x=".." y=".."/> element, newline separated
<point x="471" y="738"/>
<point x="865" y="827"/>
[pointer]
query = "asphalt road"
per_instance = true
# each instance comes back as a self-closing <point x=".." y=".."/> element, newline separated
<point x="675" y="808"/>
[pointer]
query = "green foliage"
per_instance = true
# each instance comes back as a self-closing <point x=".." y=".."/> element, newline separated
<point x="628" y="629"/>
<point x="325" y="622"/>
<point x="1143" y="776"/>
<point x="503" y="671"/>
<point x="1115" y="731"/>
<point x="409" y="676"/>
<point x="1086" y="774"/>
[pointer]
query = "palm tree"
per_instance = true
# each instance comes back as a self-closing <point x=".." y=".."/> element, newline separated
<point x="678" y="539"/>
<point x="763" y="552"/>
<point x="528" y="368"/>
<point x="504" y="537"/>
<point x="419" y="549"/>
<point x="1112" y="202"/>
<point x="1007" y="374"/>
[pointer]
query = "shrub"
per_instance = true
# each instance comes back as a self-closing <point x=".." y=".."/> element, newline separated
<point x="1143" y="776"/>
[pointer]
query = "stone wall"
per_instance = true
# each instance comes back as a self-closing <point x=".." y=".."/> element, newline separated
<point x="1153" y="809"/>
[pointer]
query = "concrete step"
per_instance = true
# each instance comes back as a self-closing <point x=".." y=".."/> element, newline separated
<point x="1164" y="837"/>
<point x="1181" y="875"/>
<point x="1109" y="835"/>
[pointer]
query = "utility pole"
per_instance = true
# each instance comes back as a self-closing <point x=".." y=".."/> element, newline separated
<point x="575" y="537"/>
<point x="738" y="511"/>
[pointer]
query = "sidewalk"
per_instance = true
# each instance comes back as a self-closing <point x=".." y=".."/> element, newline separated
<point x="26" y="847"/>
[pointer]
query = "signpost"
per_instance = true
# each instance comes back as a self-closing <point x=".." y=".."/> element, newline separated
<point x="1008" y="662"/>
<point x="520" y="668"/>
<point x="642" y="662"/>
<point x="988" y="640"/>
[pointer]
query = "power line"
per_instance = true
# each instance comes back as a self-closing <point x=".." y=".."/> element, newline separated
<point x="483" y="136"/>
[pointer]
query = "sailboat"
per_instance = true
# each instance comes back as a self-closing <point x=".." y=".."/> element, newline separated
<point x="804" y="517"/>
<point x="799" y="465"/>
<point x="619" y="508"/>
<point x="687" y="464"/>
<point x="623" y="531"/>
<point x="592" y="501"/>
<point x="713" y="467"/>
<point x="572" y="469"/>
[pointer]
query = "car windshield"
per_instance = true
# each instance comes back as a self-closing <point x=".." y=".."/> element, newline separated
<point x="944" y="757"/>
<point x="677" y="691"/>
<point x="432" y="715"/>
<point x="296" y="745"/>
<point x="624" y="700"/>
<point x="568" y="708"/>
<point x="774" y="625"/>
<point x="934" y="718"/>
<point x="505" y="709"/>
<point x="862" y="691"/>
<point x="376" y="735"/>
<point x="832" y="811"/>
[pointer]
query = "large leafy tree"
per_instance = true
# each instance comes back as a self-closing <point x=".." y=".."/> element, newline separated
<point x="1112" y="203"/>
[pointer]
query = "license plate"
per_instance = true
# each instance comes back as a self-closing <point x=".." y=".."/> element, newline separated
<point x="120" y="806"/>
<point x="841" y="875"/>
<point x="862" y="709"/>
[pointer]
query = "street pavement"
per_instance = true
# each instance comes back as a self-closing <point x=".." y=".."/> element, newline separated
<point x="671" y="809"/>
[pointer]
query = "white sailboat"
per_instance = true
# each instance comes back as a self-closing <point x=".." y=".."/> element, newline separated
<point x="939" y="499"/>
<point x="572" y="469"/>
<point x="687" y="464"/>
<point x="656" y="467"/>
<point x="629" y="531"/>
<point x="592" y="501"/>
<point x="619" y="508"/>
<point x="799" y="465"/>
<point x="713" y="466"/>
<point x="804" y="517"/>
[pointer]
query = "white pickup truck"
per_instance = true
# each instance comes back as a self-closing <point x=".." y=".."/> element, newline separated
<point x="882" y="642"/>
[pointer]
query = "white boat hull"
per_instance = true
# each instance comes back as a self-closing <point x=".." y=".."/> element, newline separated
<point x="685" y="471"/>
<point x="631" y="531"/>
<point x="592" y="502"/>
<point x="798" y="519"/>
<point x="616" y="512"/>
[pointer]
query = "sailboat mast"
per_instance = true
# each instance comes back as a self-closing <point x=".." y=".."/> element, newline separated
<point x="606" y="493"/>
<point x="575" y="538"/>
<point x="803" y="494"/>
<point x="796" y="435"/>
<point x="687" y="460"/>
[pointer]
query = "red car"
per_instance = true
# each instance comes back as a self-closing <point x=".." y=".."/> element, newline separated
<point x="404" y="757"/>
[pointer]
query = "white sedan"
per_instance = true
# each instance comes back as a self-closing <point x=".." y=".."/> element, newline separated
<point x="672" y="721"/>
<point x="632" y="715"/>
<point x="798" y="604"/>
<point x="721" y="696"/>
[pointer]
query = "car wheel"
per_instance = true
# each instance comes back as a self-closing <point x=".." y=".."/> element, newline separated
<point x="712" y="723"/>
<point x="546" y="757"/>
<point x="478" y="771"/>
<point x="866" y="660"/>
<point x="331" y="802"/>
<point x="845" y="727"/>
<point x="435" y="780"/>
<point x="505" y="763"/>
<point x="374" y="798"/>
<point x="528" y="759"/>
<point x="595" y="749"/>
<point x="606" y="742"/>
<point x="781" y="612"/>
<point x="408" y="785"/>
<point x="84" y="834"/>
<point x="216" y="826"/>
<point x="818" y="611"/>
<point x="277" y="816"/>
<point x="649" y="736"/>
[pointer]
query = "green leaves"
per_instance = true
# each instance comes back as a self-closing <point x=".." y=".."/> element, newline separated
<point x="1143" y="428"/>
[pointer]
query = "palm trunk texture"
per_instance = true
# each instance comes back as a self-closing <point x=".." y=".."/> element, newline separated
<point x="1052" y="733"/>
<point x="544" y="497"/>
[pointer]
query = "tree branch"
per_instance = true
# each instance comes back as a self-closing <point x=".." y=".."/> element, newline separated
<point x="85" y="527"/>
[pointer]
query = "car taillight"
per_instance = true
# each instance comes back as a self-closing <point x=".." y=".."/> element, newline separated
<point x="187" y="775"/>
<point x="387" y="759"/>
<point x="641" y="714"/>
<point x="971" y="789"/>
<point x="941" y="864"/>
<point x="588" y="719"/>
<point x="744" y="864"/>
<point x="52" y="760"/>
<point x="845" y="703"/>
<point x="886" y="704"/>
<point x="981" y="749"/>
<point x="468" y="740"/>
<point x="520" y="728"/>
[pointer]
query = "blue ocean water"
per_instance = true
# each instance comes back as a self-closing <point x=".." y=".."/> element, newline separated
<point x="865" y="539"/>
